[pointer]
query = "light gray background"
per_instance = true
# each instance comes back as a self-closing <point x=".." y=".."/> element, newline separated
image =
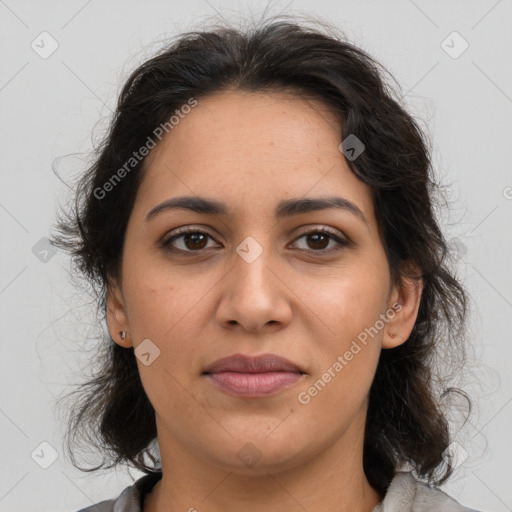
<point x="49" y="109"/>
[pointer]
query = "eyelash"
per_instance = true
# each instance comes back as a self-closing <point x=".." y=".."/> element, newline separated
<point x="342" y="242"/>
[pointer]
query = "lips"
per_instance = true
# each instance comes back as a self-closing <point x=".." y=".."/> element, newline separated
<point x="253" y="377"/>
<point x="245" y="364"/>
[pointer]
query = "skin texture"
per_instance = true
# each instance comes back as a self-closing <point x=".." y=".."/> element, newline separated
<point x="252" y="150"/>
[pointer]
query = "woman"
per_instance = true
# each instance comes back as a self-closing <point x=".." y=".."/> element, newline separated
<point x="259" y="227"/>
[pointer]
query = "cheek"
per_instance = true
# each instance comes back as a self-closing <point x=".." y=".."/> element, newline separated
<point x="346" y="349"/>
<point x="169" y="312"/>
<point x="346" y="335"/>
<point x="348" y="304"/>
<point x="166" y="313"/>
<point x="159" y="305"/>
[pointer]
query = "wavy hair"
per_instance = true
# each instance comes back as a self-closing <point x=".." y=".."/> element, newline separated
<point x="406" y="423"/>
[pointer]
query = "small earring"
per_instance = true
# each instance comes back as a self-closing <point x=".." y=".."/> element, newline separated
<point x="122" y="334"/>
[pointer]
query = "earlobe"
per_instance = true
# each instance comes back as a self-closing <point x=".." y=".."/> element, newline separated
<point x="405" y="302"/>
<point x="117" y="320"/>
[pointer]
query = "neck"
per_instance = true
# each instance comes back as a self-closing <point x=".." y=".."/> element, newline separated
<point x="331" y="481"/>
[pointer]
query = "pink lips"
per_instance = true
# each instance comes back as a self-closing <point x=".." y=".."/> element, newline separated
<point x="253" y="377"/>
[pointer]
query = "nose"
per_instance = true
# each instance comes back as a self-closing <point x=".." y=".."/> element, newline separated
<point x="254" y="295"/>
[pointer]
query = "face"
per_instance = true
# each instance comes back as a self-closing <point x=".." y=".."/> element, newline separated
<point x="312" y="286"/>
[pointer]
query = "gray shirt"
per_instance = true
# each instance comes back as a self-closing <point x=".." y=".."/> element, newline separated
<point x="405" y="494"/>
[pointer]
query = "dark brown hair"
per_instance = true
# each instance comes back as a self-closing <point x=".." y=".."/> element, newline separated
<point x="405" y="422"/>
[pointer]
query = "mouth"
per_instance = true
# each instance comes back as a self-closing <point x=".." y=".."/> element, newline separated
<point x="253" y="377"/>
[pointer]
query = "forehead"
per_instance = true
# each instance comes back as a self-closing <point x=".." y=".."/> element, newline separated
<point x="255" y="126"/>
<point x="254" y="149"/>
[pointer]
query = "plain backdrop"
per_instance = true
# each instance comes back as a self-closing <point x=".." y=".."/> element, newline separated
<point x="52" y="109"/>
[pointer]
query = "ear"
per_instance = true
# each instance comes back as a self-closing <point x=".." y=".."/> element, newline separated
<point x="404" y="302"/>
<point x="117" y="319"/>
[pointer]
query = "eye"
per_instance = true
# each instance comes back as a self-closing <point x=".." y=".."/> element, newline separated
<point x="193" y="240"/>
<point x="320" y="238"/>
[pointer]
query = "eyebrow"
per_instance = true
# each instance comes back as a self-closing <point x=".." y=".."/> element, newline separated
<point x="285" y="208"/>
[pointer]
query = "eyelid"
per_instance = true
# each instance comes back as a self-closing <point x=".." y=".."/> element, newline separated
<point x="342" y="240"/>
<point x="324" y="229"/>
<point x="175" y="233"/>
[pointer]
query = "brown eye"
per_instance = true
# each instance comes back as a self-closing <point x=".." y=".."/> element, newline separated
<point x="318" y="241"/>
<point x="195" y="240"/>
<point x="190" y="240"/>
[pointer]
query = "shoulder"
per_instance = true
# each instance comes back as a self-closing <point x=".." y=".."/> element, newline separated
<point x="131" y="499"/>
<point x="407" y="494"/>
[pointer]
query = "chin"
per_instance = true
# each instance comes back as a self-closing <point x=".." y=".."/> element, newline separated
<point x="258" y="454"/>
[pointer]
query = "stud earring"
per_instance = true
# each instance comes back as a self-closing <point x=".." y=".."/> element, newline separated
<point x="122" y="334"/>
